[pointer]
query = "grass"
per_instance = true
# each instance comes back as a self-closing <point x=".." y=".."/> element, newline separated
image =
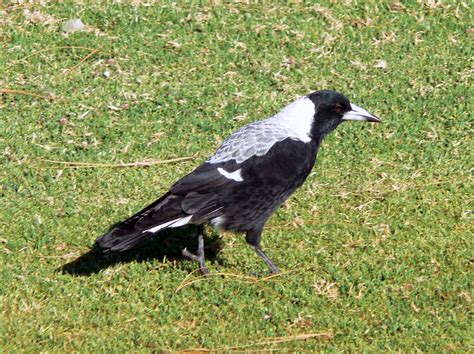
<point x="376" y="246"/>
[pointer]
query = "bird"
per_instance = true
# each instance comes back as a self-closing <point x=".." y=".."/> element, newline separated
<point x="244" y="182"/>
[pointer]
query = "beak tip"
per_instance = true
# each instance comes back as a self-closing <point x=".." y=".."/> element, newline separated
<point x="358" y="113"/>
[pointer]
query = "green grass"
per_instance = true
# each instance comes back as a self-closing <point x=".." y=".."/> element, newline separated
<point x="377" y="245"/>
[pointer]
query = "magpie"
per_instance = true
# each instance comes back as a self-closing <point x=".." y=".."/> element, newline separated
<point x="249" y="176"/>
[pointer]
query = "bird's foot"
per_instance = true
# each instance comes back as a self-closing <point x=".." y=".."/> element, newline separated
<point x="263" y="274"/>
<point x="197" y="258"/>
<point x="273" y="268"/>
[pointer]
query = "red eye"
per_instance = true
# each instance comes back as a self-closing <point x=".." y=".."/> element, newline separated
<point x="337" y="108"/>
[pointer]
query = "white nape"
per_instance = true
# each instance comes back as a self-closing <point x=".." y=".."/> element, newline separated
<point x="298" y="117"/>
<point x="236" y="176"/>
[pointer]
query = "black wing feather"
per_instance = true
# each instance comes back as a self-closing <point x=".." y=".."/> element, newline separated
<point x="205" y="179"/>
<point x="195" y="194"/>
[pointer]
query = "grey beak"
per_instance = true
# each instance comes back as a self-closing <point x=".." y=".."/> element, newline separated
<point x="358" y="113"/>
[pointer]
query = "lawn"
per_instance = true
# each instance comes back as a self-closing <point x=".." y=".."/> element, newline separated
<point x="376" y="247"/>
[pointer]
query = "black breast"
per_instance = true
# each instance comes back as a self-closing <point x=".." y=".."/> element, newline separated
<point x="267" y="182"/>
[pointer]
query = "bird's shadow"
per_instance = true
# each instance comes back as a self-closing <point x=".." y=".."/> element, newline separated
<point x="166" y="245"/>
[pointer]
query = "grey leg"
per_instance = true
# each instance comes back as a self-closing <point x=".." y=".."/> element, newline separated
<point x="199" y="257"/>
<point x="253" y="239"/>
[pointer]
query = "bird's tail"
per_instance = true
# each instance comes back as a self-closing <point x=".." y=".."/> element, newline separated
<point x="164" y="213"/>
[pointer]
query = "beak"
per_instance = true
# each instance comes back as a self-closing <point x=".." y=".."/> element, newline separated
<point x="358" y="113"/>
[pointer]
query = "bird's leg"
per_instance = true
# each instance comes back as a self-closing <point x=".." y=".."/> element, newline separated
<point x="199" y="257"/>
<point x="253" y="239"/>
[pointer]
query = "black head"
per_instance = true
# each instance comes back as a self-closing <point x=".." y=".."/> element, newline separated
<point x="331" y="109"/>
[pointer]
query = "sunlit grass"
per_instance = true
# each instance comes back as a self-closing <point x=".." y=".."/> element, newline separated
<point x="376" y="245"/>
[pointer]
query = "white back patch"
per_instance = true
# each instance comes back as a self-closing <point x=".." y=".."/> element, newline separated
<point x="256" y="139"/>
<point x="236" y="176"/>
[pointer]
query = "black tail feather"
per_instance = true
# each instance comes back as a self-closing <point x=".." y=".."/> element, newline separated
<point x="112" y="243"/>
<point x="129" y="233"/>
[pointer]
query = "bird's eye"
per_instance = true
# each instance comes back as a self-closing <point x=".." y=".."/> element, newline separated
<point x="337" y="108"/>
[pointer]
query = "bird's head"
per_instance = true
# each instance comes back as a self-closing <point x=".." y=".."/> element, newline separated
<point x="332" y="108"/>
<point x="316" y="115"/>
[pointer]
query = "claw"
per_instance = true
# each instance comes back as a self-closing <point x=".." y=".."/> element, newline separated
<point x="189" y="255"/>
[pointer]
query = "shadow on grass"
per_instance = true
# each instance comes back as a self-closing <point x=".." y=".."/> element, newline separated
<point x="166" y="245"/>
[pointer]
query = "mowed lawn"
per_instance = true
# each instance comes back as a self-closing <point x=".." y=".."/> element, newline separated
<point x="376" y="247"/>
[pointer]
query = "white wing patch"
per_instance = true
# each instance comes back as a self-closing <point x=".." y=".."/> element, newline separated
<point x="236" y="175"/>
<point x="173" y="223"/>
<point x="256" y="139"/>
